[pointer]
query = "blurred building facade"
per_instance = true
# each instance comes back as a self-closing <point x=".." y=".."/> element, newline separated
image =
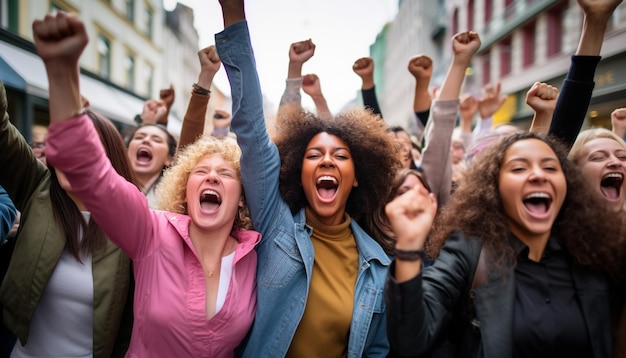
<point x="136" y="48"/>
<point x="523" y="41"/>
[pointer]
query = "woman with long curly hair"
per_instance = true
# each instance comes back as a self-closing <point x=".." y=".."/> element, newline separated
<point x="320" y="276"/>
<point x="525" y="252"/>
<point x="194" y="266"/>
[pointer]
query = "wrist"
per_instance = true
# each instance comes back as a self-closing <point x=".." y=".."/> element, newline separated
<point x="197" y="89"/>
<point x="409" y="255"/>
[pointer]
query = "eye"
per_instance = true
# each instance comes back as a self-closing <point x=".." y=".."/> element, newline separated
<point x="596" y="158"/>
<point x="550" y="169"/>
<point x="518" y="169"/>
<point x="312" y="156"/>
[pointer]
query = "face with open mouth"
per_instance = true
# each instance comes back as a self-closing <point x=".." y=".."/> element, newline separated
<point x="603" y="164"/>
<point x="532" y="187"/>
<point x="148" y="151"/>
<point x="214" y="194"/>
<point x="328" y="177"/>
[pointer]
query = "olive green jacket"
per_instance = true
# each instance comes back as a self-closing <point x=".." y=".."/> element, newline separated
<point x="39" y="246"/>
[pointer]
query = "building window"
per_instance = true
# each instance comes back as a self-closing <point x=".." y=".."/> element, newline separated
<point x="104" y="57"/>
<point x="130" y="10"/>
<point x="149" y="19"/>
<point x="470" y="15"/>
<point x="129" y="67"/>
<point x="529" y="44"/>
<point x="486" y="59"/>
<point x="505" y="57"/>
<point x="555" y="29"/>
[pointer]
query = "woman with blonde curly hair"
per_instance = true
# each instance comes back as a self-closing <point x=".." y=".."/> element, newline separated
<point x="194" y="266"/>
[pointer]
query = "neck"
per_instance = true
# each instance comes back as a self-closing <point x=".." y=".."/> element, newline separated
<point x="211" y="245"/>
<point x="146" y="181"/>
<point x="536" y="244"/>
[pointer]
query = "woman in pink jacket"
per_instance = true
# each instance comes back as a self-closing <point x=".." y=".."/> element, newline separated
<point x="194" y="264"/>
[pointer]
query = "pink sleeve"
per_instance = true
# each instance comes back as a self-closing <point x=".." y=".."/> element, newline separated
<point x="117" y="205"/>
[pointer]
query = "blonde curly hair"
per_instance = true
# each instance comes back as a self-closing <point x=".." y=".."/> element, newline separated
<point x="171" y="190"/>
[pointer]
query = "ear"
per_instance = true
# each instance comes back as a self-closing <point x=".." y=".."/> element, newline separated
<point x="168" y="161"/>
<point x="356" y="183"/>
<point x="241" y="202"/>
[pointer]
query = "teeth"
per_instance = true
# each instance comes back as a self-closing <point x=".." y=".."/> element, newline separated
<point x="614" y="175"/>
<point x="537" y="196"/>
<point x="326" y="177"/>
<point x="210" y="192"/>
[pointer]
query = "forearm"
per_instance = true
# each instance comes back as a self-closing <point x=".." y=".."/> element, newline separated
<point x="422" y="99"/>
<point x="193" y="123"/>
<point x="292" y="95"/>
<point x="321" y="106"/>
<point x="371" y="101"/>
<point x="63" y="91"/>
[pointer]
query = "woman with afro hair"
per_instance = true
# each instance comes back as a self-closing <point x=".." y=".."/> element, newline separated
<point x="320" y="276"/>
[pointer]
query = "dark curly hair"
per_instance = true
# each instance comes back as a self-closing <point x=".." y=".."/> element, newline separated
<point x="374" y="152"/>
<point x="377" y="224"/>
<point x="583" y="226"/>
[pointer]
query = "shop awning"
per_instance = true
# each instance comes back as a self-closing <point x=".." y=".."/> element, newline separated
<point x="25" y="71"/>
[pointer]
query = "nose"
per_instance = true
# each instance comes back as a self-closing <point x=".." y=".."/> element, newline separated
<point x="537" y="175"/>
<point x="613" y="162"/>
<point x="212" y="177"/>
<point x="327" y="161"/>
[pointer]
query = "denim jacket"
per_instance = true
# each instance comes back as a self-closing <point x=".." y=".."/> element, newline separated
<point x="285" y="254"/>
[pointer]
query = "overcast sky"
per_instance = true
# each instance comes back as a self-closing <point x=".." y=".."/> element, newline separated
<point x="342" y="30"/>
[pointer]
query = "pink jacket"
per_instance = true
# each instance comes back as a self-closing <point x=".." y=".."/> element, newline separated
<point x="169" y="307"/>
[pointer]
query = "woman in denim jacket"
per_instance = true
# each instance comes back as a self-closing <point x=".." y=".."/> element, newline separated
<point x="320" y="276"/>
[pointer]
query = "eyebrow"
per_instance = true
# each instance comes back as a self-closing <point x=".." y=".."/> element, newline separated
<point x="526" y="160"/>
<point x="334" y="148"/>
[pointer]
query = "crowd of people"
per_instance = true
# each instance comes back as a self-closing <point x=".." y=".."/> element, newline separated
<point x="330" y="235"/>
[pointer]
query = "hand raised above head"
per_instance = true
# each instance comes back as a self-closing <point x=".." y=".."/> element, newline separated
<point x="60" y="37"/>
<point x="209" y="59"/>
<point x="167" y="96"/>
<point x="465" y="45"/>
<point x="600" y="8"/>
<point x="491" y="100"/>
<point x="364" y="66"/>
<point x="301" y="51"/>
<point x="421" y="66"/>
<point x="618" y="121"/>
<point x="311" y="85"/>
<point x="541" y="97"/>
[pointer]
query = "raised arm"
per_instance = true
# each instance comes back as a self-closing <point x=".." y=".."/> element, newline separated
<point x="299" y="53"/>
<point x="541" y="97"/>
<point x="436" y="162"/>
<point x="260" y="160"/>
<point x="364" y="68"/>
<point x="193" y="123"/>
<point x="618" y="122"/>
<point x="573" y="102"/>
<point x="311" y="85"/>
<point x="74" y="147"/>
<point x="167" y="95"/>
<point x="421" y="67"/>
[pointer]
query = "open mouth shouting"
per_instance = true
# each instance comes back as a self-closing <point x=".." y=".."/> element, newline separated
<point x="611" y="185"/>
<point x="210" y="200"/>
<point x="538" y="204"/>
<point x="144" y="156"/>
<point x="326" y="186"/>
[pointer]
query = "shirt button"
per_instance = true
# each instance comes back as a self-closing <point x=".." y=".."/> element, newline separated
<point x="548" y="300"/>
